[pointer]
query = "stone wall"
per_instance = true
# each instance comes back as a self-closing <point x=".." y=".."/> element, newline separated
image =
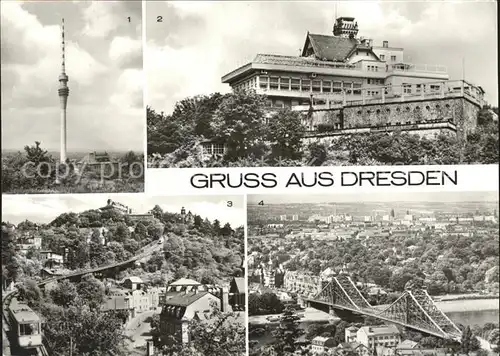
<point x="458" y="111"/>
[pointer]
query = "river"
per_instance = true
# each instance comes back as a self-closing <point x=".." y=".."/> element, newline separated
<point x="466" y="312"/>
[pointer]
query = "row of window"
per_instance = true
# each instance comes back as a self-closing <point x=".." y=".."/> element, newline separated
<point x="407" y="88"/>
<point x="247" y="84"/>
<point x="375" y="81"/>
<point x="382" y="57"/>
<point x="307" y="85"/>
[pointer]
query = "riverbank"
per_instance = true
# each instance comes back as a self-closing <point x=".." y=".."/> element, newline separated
<point x="452" y="307"/>
<point x="473" y="296"/>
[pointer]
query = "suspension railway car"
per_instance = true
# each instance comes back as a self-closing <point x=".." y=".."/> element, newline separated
<point x="25" y="324"/>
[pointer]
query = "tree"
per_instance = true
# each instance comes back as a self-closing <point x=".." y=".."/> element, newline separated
<point x="221" y="334"/>
<point x="238" y="121"/>
<point x="30" y="293"/>
<point x="469" y="342"/>
<point x="287" y="332"/>
<point x="285" y="132"/>
<point x="10" y="265"/>
<point x="37" y="155"/>
<point x="226" y="230"/>
<point x="91" y="291"/>
<point x="65" y="294"/>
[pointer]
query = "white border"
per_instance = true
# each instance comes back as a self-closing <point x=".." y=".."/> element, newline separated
<point x="177" y="181"/>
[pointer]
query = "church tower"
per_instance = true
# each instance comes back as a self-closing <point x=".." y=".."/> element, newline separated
<point x="63" y="98"/>
<point x="345" y="27"/>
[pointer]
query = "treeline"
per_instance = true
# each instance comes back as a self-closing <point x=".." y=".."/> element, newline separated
<point x="265" y="303"/>
<point x="255" y="137"/>
<point x="203" y="250"/>
<point x="444" y="264"/>
<point x="35" y="171"/>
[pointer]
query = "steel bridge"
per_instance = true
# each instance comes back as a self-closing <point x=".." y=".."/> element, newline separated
<point x="414" y="309"/>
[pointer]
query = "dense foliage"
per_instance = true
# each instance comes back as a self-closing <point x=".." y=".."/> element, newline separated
<point x="73" y="319"/>
<point x="266" y="303"/>
<point x="443" y="263"/>
<point x="36" y="171"/>
<point x="203" y="250"/>
<point x="223" y="333"/>
<point x="255" y="136"/>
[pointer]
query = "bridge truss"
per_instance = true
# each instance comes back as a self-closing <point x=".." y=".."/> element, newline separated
<point x="414" y="309"/>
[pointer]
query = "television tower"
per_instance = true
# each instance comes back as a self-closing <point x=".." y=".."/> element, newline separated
<point x="63" y="97"/>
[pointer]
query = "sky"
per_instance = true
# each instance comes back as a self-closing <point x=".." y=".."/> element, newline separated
<point x="445" y="197"/>
<point x="103" y="61"/>
<point x="198" y="42"/>
<point x="45" y="208"/>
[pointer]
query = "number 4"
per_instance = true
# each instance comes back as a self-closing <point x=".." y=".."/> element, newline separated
<point x="261" y="202"/>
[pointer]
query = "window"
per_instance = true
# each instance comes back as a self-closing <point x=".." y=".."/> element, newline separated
<point x="284" y="83"/>
<point x="435" y="87"/>
<point x="316" y="85"/>
<point x="337" y="87"/>
<point x="306" y="85"/>
<point x="327" y="86"/>
<point x="382" y="57"/>
<point x="263" y="81"/>
<point x="28" y="329"/>
<point x="273" y="83"/>
<point x="393" y="58"/>
<point x="357" y="88"/>
<point x="296" y="84"/>
<point x="407" y="88"/>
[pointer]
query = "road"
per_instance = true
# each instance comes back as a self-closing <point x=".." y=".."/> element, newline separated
<point x="310" y="314"/>
<point x="137" y="330"/>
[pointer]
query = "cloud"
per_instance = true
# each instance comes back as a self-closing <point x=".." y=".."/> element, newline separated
<point x="230" y="34"/>
<point x="126" y="52"/>
<point x="100" y="19"/>
<point x="129" y="89"/>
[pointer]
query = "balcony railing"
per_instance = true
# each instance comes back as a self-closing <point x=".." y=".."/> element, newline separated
<point x="397" y="93"/>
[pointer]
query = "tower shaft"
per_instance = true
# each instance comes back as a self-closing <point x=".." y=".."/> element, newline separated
<point x="63" y="98"/>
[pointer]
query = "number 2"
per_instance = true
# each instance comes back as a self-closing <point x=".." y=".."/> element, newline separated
<point x="159" y="18"/>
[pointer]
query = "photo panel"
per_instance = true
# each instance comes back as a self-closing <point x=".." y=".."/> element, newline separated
<point x="72" y="97"/>
<point x="123" y="274"/>
<point x="373" y="274"/>
<point x="278" y="84"/>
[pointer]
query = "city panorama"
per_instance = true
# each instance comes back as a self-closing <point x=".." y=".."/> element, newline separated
<point x="373" y="274"/>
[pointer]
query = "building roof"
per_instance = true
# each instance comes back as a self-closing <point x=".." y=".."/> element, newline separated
<point x="184" y="300"/>
<point x="294" y="61"/>
<point x="23" y="313"/>
<point x="239" y="283"/>
<point x="330" y="48"/>
<point x="133" y="279"/>
<point x="185" y="282"/>
<point x="376" y="330"/>
<point x="407" y="344"/>
<point x="321" y="338"/>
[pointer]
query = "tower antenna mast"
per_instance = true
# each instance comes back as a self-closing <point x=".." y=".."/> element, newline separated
<point x="63" y="97"/>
